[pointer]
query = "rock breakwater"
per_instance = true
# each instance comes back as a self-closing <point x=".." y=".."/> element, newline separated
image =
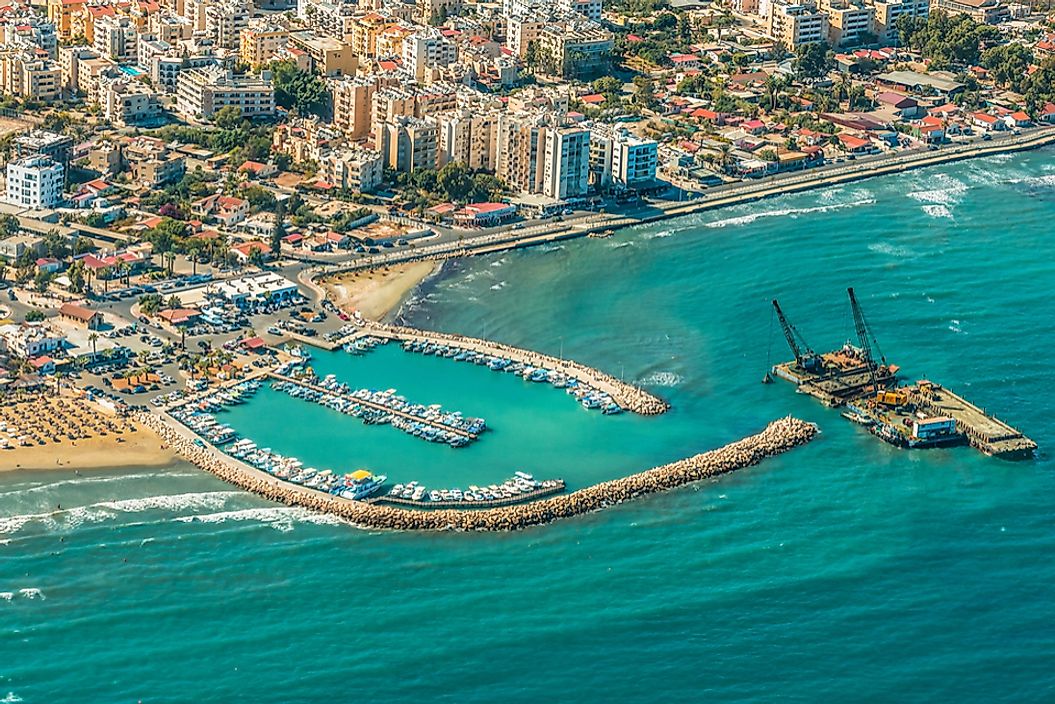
<point x="629" y="397"/>
<point x="778" y="437"/>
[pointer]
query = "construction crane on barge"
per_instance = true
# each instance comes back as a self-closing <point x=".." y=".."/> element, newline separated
<point x="808" y="359"/>
<point x="867" y="340"/>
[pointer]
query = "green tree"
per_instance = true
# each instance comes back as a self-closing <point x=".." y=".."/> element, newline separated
<point x="299" y="90"/>
<point x="34" y="316"/>
<point x="8" y="224"/>
<point x="228" y="118"/>
<point x="812" y="60"/>
<point x="150" y="303"/>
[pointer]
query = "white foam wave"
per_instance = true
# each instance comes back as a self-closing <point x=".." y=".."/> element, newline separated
<point x="949" y="191"/>
<point x="499" y="262"/>
<point x="658" y="235"/>
<point x="938" y="211"/>
<point x="1048" y="180"/>
<point x="954" y="326"/>
<point x="620" y="245"/>
<point x="788" y="212"/>
<point x="7" y="596"/>
<point x="499" y="286"/>
<point x="11" y="698"/>
<point x="75" y="517"/>
<point x="32" y="593"/>
<point x="551" y="248"/>
<point x="280" y="518"/>
<point x="171" y="502"/>
<point x="661" y="379"/>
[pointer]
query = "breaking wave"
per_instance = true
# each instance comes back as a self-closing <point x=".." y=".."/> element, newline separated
<point x="787" y="212"/>
<point x="68" y="519"/>
<point x="938" y="211"/>
<point x="280" y="518"/>
<point x="661" y="379"/>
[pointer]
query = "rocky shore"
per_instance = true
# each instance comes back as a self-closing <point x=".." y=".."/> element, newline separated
<point x="778" y="437"/>
<point x="629" y="397"/>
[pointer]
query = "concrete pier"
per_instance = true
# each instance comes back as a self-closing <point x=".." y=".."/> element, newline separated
<point x="778" y="437"/>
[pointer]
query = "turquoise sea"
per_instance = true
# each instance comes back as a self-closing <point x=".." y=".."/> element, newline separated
<point x="843" y="571"/>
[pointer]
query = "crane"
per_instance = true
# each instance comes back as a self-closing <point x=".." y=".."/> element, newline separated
<point x="866" y="339"/>
<point x="808" y="359"/>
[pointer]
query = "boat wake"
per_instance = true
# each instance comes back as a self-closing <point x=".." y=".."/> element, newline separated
<point x="787" y="212"/>
<point x="280" y="518"/>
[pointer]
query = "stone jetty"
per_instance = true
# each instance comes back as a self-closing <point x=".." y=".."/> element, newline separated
<point x="629" y="397"/>
<point x="778" y="437"/>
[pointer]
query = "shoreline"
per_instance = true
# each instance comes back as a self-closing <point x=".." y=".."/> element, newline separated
<point x="720" y="197"/>
<point x="377" y="293"/>
<point x="67" y="433"/>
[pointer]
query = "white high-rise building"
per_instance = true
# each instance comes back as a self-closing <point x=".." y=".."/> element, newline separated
<point x="621" y="159"/>
<point x="34" y="182"/>
<point x="567" y="163"/>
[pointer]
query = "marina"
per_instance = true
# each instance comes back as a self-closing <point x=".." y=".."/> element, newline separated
<point x="593" y="388"/>
<point x="430" y="423"/>
<point x="917" y="416"/>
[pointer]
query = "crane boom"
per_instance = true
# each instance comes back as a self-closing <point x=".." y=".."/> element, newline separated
<point x="806" y="359"/>
<point x="866" y="339"/>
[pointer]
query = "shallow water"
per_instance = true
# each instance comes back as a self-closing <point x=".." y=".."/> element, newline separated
<point x="845" y="570"/>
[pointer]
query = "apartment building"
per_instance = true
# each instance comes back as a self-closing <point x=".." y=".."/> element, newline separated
<point x="55" y="146"/>
<point x="306" y="140"/>
<point x="469" y="138"/>
<point x="621" y="160"/>
<point x="224" y="22"/>
<point x="426" y="48"/>
<point x="260" y="41"/>
<point x="328" y="19"/>
<point x="590" y="9"/>
<point x="352" y="105"/>
<point x="125" y="101"/>
<point x="34" y="182"/>
<point x="795" y="24"/>
<point x="409" y="143"/>
<point x="982" y="11"/>
<point x="887" y="13"/>
<point x="850" y="22"/>
<point x="201" y="92"/>
<point x="566" y="168"/>
<point x="353" y="168"/>
<point x="329" y="56"/>
<point x="520" y="145"/>
<point x="61" y="14"/>
<point x="575" y="45"/>
<point x="116" y="39"/>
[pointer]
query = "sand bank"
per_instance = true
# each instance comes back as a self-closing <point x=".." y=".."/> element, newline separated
<point x="376" y="292"/>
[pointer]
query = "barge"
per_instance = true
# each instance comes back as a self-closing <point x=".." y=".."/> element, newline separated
<point x="920" y="415"/>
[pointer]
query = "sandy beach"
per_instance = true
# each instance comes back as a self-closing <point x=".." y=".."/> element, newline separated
<point x="376" y="292"/>
<point x="62" y="433"/>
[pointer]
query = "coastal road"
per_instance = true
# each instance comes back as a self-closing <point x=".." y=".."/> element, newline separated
<point x="447" y="244"/>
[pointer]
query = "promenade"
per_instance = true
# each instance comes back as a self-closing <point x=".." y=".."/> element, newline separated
<point x="719" y="197"/>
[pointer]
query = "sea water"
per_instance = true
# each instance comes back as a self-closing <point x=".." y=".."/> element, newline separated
<point x="846" y="570"/>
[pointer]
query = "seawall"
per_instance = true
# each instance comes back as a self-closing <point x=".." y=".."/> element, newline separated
<point x="778" y="437"/>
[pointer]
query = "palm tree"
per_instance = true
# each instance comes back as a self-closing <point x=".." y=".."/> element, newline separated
<point x="93" y="339"/>
<point x="193" y="255"/>
<point x="170" y="258"/>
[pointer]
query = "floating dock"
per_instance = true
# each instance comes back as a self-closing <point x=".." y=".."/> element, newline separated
<point x="525" y="497"/>
<point x="376" y="406"/>
<point x="917" y="416"/>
